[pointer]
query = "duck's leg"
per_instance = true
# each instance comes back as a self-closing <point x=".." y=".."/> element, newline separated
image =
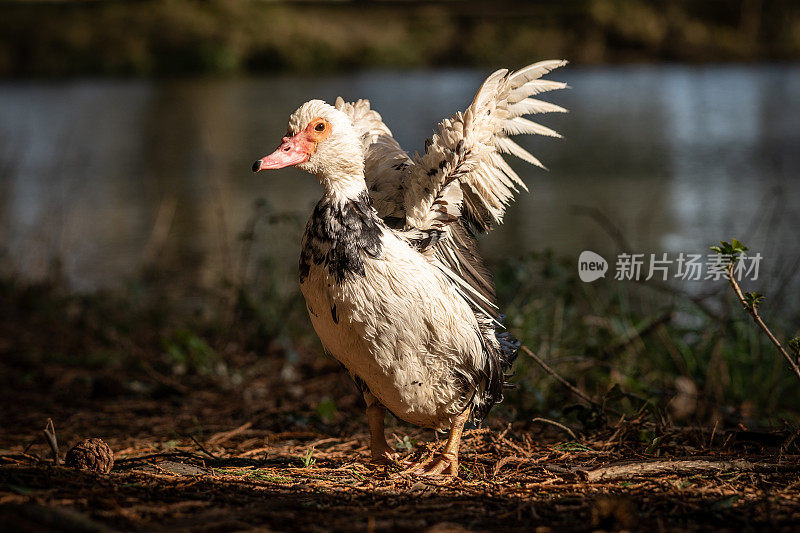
<point x="447" y="463"/>
<point x="376" y="414"/>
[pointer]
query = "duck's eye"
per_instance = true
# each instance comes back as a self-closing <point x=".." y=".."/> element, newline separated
<point x="320" y="127"/>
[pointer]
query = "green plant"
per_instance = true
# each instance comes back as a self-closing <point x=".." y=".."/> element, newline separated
<point x="326" y="410"/>
<point x="187" y="352"/>
<point x="406" y="444"/>
<point x="752" y="300"/>
<point x="630" y="346"/>
<point x="308" y="458"/>
<point x="732" y="249"/>
<point x="794" y="344"/>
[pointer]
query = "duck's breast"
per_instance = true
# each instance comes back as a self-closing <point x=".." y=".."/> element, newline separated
<point x="398" y="324"/>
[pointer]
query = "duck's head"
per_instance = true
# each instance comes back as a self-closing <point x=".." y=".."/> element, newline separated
<point x="321" y="140"/>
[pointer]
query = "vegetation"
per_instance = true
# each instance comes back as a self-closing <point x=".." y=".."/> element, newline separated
<point x="642" y="347"/>
<point x="186" y="36"/>
<point x="221" y="397"/>
<point x="751" y="301"/>
<point x="629" y="346"/>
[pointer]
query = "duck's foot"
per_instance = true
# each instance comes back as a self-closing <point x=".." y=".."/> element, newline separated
<point x="444" y="465"/>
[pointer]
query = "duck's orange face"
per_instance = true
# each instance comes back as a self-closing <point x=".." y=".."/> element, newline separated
<point x="296" y="149"/>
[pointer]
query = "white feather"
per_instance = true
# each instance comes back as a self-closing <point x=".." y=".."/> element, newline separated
<point x="532" y="106"/>
<point x="506" y="145"/>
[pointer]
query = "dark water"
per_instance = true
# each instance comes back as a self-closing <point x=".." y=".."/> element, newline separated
<point x="106" y="175"/>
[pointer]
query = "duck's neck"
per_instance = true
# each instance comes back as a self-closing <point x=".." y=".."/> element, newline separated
<point x="347" y="199"/>
<point x="341" y="187"/>
<point x="344" y="229"/>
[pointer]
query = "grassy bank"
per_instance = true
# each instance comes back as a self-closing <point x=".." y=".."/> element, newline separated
<point x="182" y="36"/>
<point x="632" y="347"/>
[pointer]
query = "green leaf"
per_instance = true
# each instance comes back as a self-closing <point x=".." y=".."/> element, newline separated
<point x="190" y="351"/>
<point x="753" y="299"/>
<point x="794" y="344"/>
<point x="308" y="459"/>
<point x="22" y="491"/>
<point x="726" y="503"/>
<point x="653" y="446"/>
<point x="572" y="446"/>
<point x="326" y="410"/>
<point x="407" y="444"/>
<point x="733" y="249"/>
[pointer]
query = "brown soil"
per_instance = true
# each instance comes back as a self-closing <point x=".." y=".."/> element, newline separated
<point x="205" y="454"/>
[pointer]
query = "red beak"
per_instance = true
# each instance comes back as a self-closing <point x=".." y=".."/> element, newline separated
<point x="292" y="151"/>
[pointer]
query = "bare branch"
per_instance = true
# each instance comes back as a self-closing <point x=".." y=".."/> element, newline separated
<point x="577" y="392"/>
<point x="753" y="310"/>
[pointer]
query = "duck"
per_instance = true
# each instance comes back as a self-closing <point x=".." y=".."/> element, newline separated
<point x="394" y="283"/>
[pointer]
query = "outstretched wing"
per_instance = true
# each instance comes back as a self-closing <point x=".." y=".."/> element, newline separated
<point x="462" y="182"/>
<point x="467" y="150"/>
<point x="385" y="162"/>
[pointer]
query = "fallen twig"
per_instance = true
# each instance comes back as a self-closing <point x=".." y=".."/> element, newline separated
<point x="50" y="435"/>
<point x="202" y="448"/>
<point x="556" y="424"/>
<point x="19" y="458"/>
<point x="788" y="442"/>
<point x="689" y="466"/>
<point x="577" y="392"/>
<point x="219" y="438"/>
<point x="504" y="461"/>
<point x="133" y="461"/>
<point x="559" y="470"/>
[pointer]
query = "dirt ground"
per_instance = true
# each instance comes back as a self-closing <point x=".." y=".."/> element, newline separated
<point x="270" y="453"/>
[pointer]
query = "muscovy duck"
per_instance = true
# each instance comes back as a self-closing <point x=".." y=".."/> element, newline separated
<point x="393" y="281"/>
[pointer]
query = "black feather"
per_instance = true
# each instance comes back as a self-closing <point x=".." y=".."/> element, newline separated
<point x="338" y="234"/>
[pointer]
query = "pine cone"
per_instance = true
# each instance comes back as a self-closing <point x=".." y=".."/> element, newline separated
<point x="91" y="454"/>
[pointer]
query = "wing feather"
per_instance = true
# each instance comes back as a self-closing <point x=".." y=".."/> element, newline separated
<point x="532" y="106"/>
<point x="466" y="154"/>
<point x="521" y="126"/>
<point x="462" y="183"/>
<point x="468" y="145"/>
<point x="507" y="146"/>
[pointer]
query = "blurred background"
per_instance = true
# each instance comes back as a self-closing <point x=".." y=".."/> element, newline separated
<point x="140" y="256"/>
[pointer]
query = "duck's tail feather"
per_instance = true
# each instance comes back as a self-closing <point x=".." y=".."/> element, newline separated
<point x="500" y="350"/>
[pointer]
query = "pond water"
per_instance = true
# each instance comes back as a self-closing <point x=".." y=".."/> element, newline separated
<point x="108" y="175"/>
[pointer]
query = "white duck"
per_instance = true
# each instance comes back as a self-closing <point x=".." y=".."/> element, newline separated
<point x="392" y="278"/>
